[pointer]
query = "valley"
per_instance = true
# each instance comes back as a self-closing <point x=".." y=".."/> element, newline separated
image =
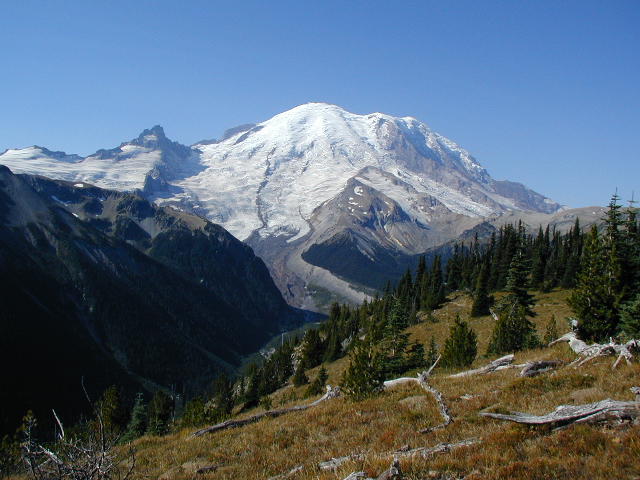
<point x="377" y="427"/>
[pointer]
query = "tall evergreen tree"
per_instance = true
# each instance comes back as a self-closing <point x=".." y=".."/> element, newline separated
<point x="594" y="299"/>
<point x="364" y="375"/>
<point x="159" y="416"/>
<point x="630" y="318"/>
<point x="540" y="255"/>
<point x="415" y="356"/>
<point x="461" y="348"/>
<point x="317" y="386"/>
<point x="112" y="411"/>
<point x="395" y="341"/>
<point x="312" y="348"/>
<point x="223" y="395"/>
<point x="481" y="299"/>
<point x="432" y="354"/>
<point x="299" y="377"/>
<point x="513" y="331"/>
<point x="517" y="283"/>
<point x="574" y="242"/>
<point x="138" y="422"/>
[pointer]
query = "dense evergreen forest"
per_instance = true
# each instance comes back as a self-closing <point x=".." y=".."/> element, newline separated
<point x="601" y="266"/>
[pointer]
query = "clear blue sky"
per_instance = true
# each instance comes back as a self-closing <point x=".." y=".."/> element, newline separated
<point x="542" y="92"/>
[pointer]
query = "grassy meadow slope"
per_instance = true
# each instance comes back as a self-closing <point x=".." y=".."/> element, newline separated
<point x="380" y="425"/>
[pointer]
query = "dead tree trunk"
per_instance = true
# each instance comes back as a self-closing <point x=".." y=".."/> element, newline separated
<point x="424" y="452"/>
<point x="422" y="381"/>
<point x="332" y="392"/>
<point x="442" y="406"/>
<point x="603" y="411"/>
<point x="440" y="448"/>
<point x="532" y="369"/>
<point x="498" y="364"/>
<point x="626" y="351"/>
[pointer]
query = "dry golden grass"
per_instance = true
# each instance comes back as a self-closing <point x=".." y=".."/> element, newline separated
<point x="383" y="424"/>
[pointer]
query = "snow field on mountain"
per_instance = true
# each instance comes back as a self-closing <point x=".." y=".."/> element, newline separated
<point x="272" y="177"/>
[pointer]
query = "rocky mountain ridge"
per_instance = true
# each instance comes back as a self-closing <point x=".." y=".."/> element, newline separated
<point x="311" y="176"/>
<point x="106" y="286"/>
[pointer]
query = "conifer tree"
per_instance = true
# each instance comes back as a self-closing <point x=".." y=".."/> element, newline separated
<point x="594" y="299"/>
<point x="572" y="268"/>
<point x="333" y="350"/>
<point x="420" y="272"/>
<point x="415" y="356"/>
<point x="432" y="354"/>
<point x="138" y="422"/>
<point x="159" y="416"/>
<point x="513" y="331"/>
<point x="193" y="414"/>
<point x="630" y="318"/>
<point x="481" y="299"/>
<point x="223" y="395"/>
<point x="454" y="270"/>
<point x="631" y="245"/>
<point x="252" y="391"/>
<point x="312" y="348"/>
<point x="317" y="386"/>
<point x="364" y="376"/>
<point x="111" y="410"/>
<point x="461" y="348"/>
<point x="300" y="377"/>
<point x="517" y="283"/>
<point x="395" y="340"/>
<point x="539" y="260"/>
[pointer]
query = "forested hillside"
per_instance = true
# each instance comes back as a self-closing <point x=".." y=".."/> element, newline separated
<point x="107" y="289"/>
<point x="514" y="294"/>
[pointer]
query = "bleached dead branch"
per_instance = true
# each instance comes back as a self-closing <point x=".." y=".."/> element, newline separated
<point x="626" y="351"/>
<point x="603" y="411"/>
<point x="498" y="364"/>
<point x="421" y="379"/>
<point x="332" y="392"/>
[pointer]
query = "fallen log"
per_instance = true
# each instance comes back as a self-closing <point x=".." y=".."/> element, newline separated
<point x="603" y="411"/>
<point x="392" y="473"/>
<point x="335" y="462"/>
<point x="207" y="469"/>
<point x="442" y="406"/>
<point x="497" y="364"/>
<point x="532" y="369"/>
<point x="332" y="392"/>
<point x="424" y="452"/>
<point x="356" y="476"/>
<point x="293" y="471"/>
<point x="440" y="448"/>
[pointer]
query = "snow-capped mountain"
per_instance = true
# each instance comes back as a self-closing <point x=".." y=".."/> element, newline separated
<point x="270" y="178"/>
<point x="310" y="176"/>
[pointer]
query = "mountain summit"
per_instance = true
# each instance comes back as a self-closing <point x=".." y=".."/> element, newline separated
<point x="272" y="177"/>
<point x="308" y="186"/>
